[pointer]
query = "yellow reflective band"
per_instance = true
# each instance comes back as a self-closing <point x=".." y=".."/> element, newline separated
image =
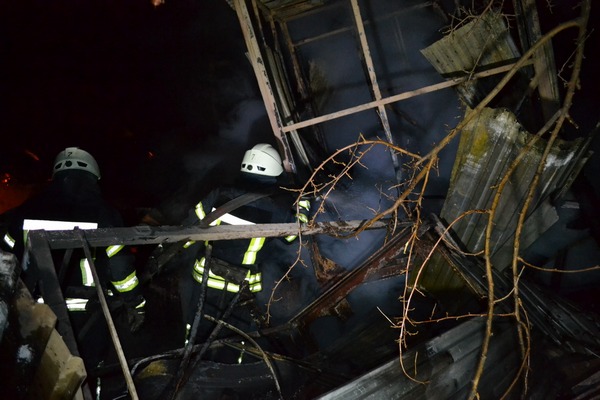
<point x="253" y="248"/>
<point x="86" y="273"/>
<point x="200" y="213"/>
<point x="197" y="277"/>
<point x="304" y="204"/>
<point x="199" y="266"/>
<point x="218" y="282"/>
<point x="9" y="241"/>
<point x="112" y="250"/>
<point x="188" y="244"/>
<point x="302" y="218"/>
<point x="291" y="238"/>
<point x="126" y="284"/>
<point x="220" y="285"/>
<point x="254" y="278"/>
<point x="198" y="273"/>
<point x="76" y="304"/>
<point x="256" y="287"/>
<point x="256" y="244"/>
<point x="231" y="287"/>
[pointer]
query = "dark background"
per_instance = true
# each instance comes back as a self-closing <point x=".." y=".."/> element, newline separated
<point x="145" y="88"/>
<point x="137" y="86"/>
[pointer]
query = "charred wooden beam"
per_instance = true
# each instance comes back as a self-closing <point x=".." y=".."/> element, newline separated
<point x="38" y="247"/>
<point x="366" y="55"/>
<point x="266" y="87"/>
<point x="148" y="235"/>
<point x="108" y="317"/>
<point x="393" y="253"/>
<point x="399" y="97"/>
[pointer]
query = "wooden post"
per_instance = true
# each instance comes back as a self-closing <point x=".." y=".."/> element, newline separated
<point x="374" y="84"/>
<point x="264" y="84"/>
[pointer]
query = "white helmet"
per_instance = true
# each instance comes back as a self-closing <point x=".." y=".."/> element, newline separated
<point x="262" y="159"/>
<point x="75" y="158"/>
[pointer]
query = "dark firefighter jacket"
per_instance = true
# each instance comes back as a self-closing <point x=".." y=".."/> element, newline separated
<point x="75" y="196"/>
<point x="277" y="207"/>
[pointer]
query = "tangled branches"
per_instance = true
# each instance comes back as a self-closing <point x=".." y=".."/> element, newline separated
<point x="412" y="190"/>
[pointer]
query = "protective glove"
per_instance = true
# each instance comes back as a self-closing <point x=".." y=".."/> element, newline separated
<point x="135" y="311"/>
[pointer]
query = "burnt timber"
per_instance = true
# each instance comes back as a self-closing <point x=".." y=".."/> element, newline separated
<point x="364" y="362"/>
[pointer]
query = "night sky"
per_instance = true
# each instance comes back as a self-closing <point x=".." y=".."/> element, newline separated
<point x="134" y="84"/>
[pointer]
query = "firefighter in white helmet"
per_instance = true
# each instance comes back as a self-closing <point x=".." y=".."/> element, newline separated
<point x="73" y="198"/>
<point x="234" y="265"/>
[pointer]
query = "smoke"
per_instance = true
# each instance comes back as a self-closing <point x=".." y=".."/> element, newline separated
<point x="416" y="124"/>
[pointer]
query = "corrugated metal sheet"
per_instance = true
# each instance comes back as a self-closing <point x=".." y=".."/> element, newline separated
<point x="483" y="43"/>
<point x="444" y="366"/>
<point x="488" y="145"/>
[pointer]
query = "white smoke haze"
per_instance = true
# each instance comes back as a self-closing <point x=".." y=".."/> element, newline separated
<point x="415" y="125"/>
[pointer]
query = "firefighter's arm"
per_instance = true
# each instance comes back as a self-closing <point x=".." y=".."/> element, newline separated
<point x="124" y="279"/>
<point x="302" y="214"/>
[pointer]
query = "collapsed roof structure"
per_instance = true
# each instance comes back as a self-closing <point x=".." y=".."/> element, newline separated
<point x="470" y="318"/>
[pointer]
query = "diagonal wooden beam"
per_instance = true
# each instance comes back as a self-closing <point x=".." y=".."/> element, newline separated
<point x="266" y="89"/>
<point x="399" y="97"/>
<point x="366" y="53"/>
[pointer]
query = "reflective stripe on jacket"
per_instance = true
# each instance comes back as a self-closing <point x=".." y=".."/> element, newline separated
<point x="218" y="282"/>
<point x="245" y="252"/>
<point x="124" y="285"/>
<point x="249" y="258"/>
<point x="10" y="242"/>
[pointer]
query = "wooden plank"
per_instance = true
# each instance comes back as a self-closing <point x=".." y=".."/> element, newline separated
<point x="398" y="97"/>
<point x="109" y="321"/>
<point x="366" y="53"/>
<point x="544" y="65"/>
<point x="266" y="89"/>
<point x="392" y="253"/>
<point x="285" y="101"/>
<point x="148" y="235"/>
<point x="51" y="292"/>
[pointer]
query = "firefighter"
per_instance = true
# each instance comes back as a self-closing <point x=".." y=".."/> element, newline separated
<point x="235" y="264"/>
<point x="73" y="196"/>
